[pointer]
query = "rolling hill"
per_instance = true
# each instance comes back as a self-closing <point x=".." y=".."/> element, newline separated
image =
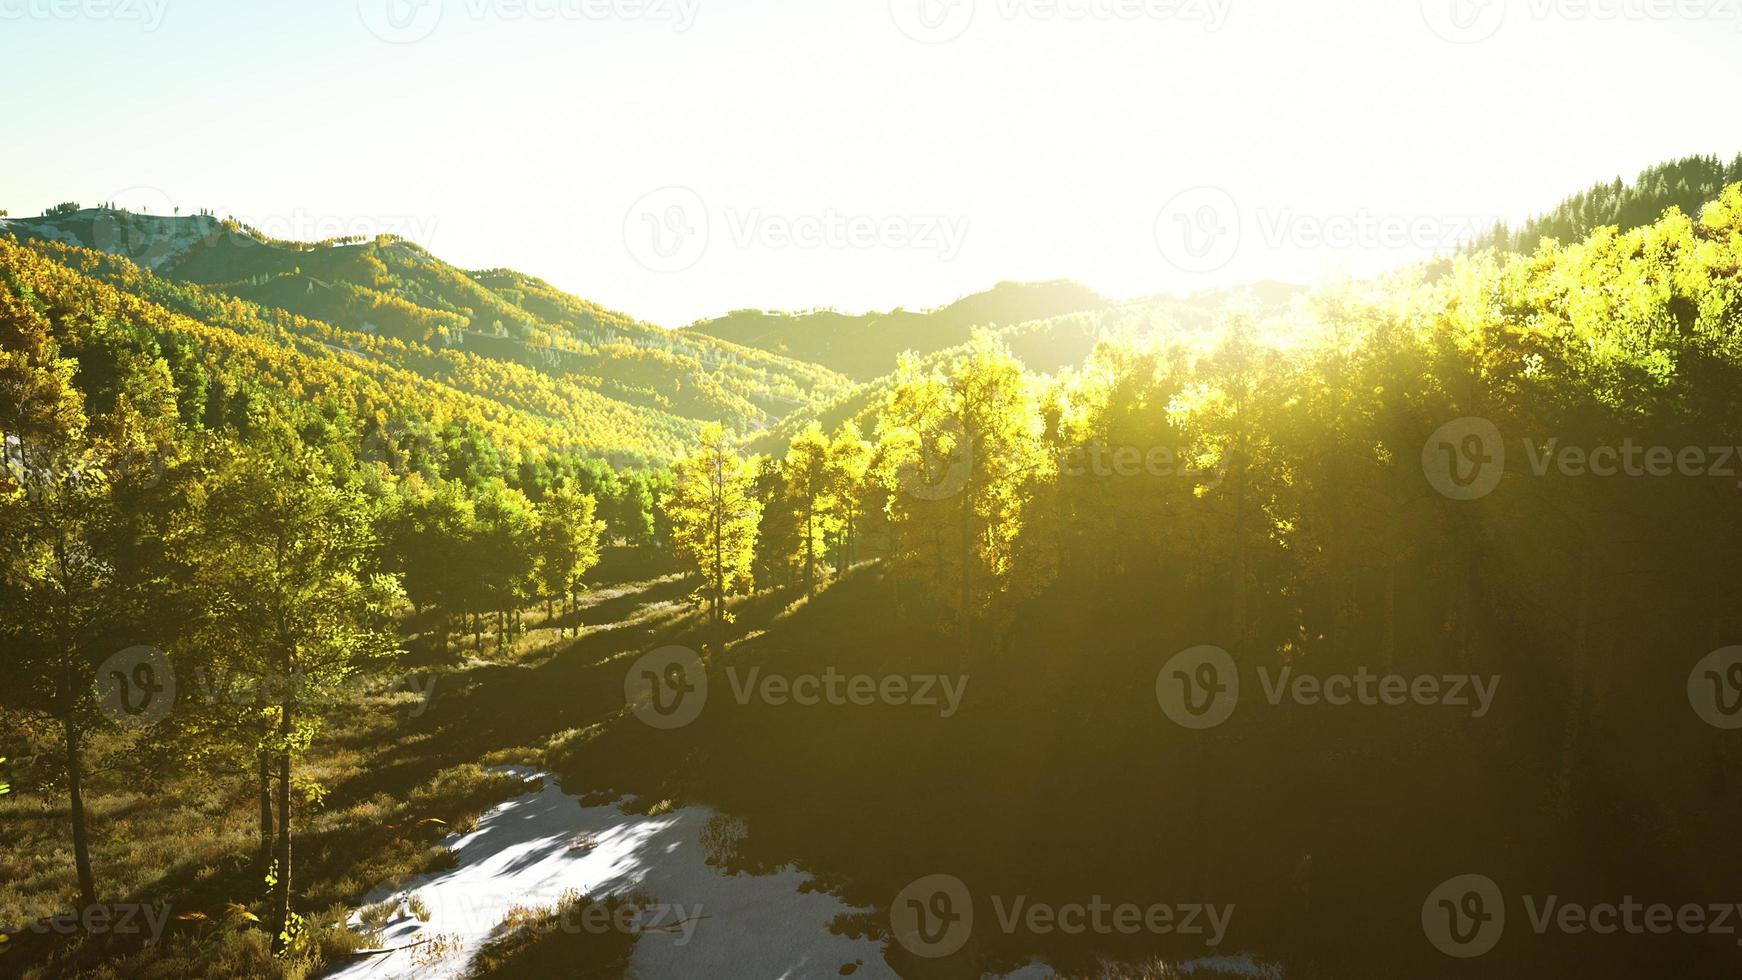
<point x="411" y="340"/>
<point x="865" y="346"/>
<point x="572" y="375"/>
<point x="1687" y="183"/>
<point x="1050" y="345"/>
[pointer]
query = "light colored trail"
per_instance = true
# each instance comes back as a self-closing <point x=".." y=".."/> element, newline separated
<point x="520" y="855"/>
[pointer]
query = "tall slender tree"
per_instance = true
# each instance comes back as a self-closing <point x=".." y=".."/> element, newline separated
<point x="567" y="537"/>
<point x="811" y="487"/>
<point x="714" y="512"/>
<point x="292" y="576"/>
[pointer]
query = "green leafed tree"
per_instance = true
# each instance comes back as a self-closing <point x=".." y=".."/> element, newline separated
<point x="81" y="572"/>
<point x="849" y="465"/>
<point x="425" y="527"/>
<point x="567" y="543"/>
<point x="968" y="441"/>
<point x="714" y="512"/>
<point x="810" y="486"/>
<point x="290" y="573"/>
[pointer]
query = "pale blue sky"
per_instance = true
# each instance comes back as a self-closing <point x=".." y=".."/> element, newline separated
<point x="834" y="159"/>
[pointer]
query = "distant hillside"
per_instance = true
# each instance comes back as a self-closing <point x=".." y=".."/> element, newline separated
<point x="1687" y="184"/>
<point x="611" y="382"/>
<point x="1054" y="344"/>
<point x="231" y="355"/>
<point x="865" y="346"/>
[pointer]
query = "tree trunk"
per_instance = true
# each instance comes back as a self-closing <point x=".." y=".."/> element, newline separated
<point x="810" y="551"/>
<point x="264" y="854"/>
<point x="281" y="900"/>
<point x="967" y="572"/>
<point x="718" y="612"/>
<point x="76" y="798"/>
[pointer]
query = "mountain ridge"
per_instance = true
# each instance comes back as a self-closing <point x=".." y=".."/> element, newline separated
<point x="481" y="330"/>
<point x="864" y="346"/>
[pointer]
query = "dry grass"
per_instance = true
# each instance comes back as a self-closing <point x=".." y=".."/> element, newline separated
<point x="538" y="943"/>
<point x="381" y="787"/>
<point x="188" y="842"/>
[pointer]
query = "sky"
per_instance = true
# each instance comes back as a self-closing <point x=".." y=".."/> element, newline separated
<point x="679" y="159"/>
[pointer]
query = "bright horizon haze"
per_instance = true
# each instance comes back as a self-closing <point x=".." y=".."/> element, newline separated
<point x="678" y="159"/>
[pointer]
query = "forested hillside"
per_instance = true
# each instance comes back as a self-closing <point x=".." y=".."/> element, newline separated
<point x="1267" y="489"/>
<point x="1053" y="509"/>
<point x="909" y="490"/>
<point x="865" y="346"/>
<point x="1687" y="184"/>
<point x="1051" y="345"/>
<point x="498" y="334"/>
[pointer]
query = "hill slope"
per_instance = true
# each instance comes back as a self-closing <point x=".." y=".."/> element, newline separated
<point x="1051" y="345"/>
<point x="865" y="346"/>
<point x="495" y="333"/>
<point x="1687" y="183"/>
<point x="234" y="353"/>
